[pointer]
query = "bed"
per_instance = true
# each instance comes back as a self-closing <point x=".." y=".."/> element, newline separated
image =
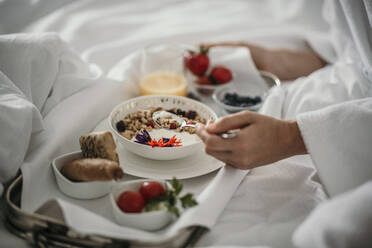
<point x="270" y="202"/>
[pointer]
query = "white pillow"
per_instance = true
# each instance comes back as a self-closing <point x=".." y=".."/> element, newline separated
<point x="44" y="68"/>
<point x="18" y="120"/>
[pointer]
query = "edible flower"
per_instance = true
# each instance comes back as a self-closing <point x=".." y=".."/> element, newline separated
<point x="165" y="142"/>
<point x="144" y="138"/>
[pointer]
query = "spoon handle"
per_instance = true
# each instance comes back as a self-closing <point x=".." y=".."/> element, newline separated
<point x="226" y="135"/>
<point x="229" y="134"/>
<point x="188" y="125"/>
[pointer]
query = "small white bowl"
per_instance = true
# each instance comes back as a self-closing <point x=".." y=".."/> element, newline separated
<point x="168" y="102"/>
<point x="149" y="221"/>
<point x="251" y="89"/>
<point x="79" y="190"/>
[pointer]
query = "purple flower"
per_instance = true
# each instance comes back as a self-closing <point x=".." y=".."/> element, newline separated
<point x="143" y="138"/>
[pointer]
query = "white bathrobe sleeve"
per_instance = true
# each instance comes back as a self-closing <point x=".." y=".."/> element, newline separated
<point x="339" y="140"/>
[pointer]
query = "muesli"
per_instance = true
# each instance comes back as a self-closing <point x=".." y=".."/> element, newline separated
<point x="134" y="123"/>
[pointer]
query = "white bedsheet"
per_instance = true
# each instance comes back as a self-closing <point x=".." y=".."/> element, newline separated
<point x="272" y="201"/>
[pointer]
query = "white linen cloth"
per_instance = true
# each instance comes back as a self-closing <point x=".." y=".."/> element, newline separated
<point x="36" y="73"/>
<point x="343" y="222"/>
<point x="272" y="201"/>
<point x="19" y="119"/>
<point x="261" y="211"/>
<point x="41" y="64"/>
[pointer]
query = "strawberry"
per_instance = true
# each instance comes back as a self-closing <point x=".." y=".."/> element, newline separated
<point x="220" y="75"/>
<point x="197" y="63"/>
<point x="204" y="80"/>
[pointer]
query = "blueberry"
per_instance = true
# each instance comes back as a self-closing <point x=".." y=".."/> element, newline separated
<point x="173" y="111"/>
<point x="234" y="99"/>
<point x="120" y="126"/>
<point x="191" y="114"/>
<point x="229" y="96"/>
<point x="242" y="99"/>
<point x="180" y="112"/>
<point x="257" y="99"/>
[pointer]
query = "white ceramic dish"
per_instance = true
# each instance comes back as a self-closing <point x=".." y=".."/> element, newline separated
<point x="193" y="166"/>
<point x="251" y="89"/>
<point x="79" y="190"/>
<point x="149" y="221"/>
<point x="144" y="102"/>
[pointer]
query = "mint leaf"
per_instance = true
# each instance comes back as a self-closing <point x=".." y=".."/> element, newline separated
<point x="177" y="186"/>
<point x="188" y="201"/>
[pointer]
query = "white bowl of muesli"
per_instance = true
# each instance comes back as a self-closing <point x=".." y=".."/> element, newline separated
<point x="133" y="127"/>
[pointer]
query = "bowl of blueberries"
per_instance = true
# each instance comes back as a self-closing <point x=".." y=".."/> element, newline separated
<point x="241" y="96"/>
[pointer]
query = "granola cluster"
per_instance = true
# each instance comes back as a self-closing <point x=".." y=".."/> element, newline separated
<point x="133" y="123"/>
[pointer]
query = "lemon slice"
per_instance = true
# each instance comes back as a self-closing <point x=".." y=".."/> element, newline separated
<point x="163" y="83"/>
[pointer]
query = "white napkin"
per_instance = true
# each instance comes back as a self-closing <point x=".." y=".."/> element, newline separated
<point x="239" y="61"/>
<point x="85" y="221"/>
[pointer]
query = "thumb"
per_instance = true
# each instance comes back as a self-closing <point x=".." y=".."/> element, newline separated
<point x="230" y="122"/>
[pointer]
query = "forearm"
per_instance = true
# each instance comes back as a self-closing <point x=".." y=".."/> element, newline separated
<point x="293" y="143"/>
<point x="289" y="65"/>
<point x="286" y="64"/>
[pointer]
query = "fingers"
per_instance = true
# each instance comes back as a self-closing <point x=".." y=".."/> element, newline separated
<point x="225" y="150"/>
<point x="230" y="122"/>
<point x="230" y="158"/>
<point x="225" y="157"/>
<point x="214" y="142"/>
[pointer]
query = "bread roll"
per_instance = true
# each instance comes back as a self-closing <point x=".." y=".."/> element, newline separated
<point x="99" y="145"/>
<point x="92" y="169"/>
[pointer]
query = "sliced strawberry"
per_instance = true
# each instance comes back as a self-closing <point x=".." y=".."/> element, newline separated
<point x="173" y="125"/>
<point x="220" y="75"/>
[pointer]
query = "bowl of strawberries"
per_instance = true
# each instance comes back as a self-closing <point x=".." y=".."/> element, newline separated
<point x="149" y="204"/>
<point x="205" y="78"/>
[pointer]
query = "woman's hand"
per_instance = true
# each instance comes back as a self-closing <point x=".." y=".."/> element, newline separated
<point x="286" y="64"/>
<point x="261" y="140"/>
